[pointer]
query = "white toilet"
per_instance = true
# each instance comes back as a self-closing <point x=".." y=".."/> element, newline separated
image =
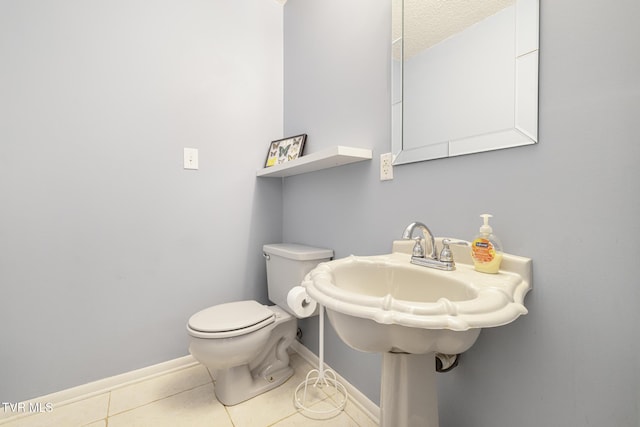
<point x="244" y="343"/>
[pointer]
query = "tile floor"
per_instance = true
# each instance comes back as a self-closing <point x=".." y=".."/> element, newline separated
<point x="186" y="398"/>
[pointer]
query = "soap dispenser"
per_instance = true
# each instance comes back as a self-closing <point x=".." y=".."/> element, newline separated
<point x="486" y="249"/>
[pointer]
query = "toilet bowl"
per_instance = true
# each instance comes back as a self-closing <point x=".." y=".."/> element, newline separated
<point x="244" y="344"/>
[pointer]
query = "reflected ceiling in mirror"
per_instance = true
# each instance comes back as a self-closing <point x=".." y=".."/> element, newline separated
<point x="464" y="77"/>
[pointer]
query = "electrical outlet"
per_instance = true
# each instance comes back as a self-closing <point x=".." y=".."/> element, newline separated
<point x="386" y="167"/>
<point x="191" y="158"/>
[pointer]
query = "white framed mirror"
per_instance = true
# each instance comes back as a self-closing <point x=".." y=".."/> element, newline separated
<point x="464" y="77"/>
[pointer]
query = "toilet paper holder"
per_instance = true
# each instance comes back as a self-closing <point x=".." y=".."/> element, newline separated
<point x="321" y="378"/>
<point x="300" y="303"/>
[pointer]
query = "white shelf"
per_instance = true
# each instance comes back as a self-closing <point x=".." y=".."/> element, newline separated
<point x="329" y="158"/>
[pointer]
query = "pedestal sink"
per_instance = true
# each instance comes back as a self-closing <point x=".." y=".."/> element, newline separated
<point x="387" y="305"/>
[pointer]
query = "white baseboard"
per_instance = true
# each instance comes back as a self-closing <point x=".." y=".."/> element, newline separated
<point x="356" y="396"/>
<point x="105" y="385"/>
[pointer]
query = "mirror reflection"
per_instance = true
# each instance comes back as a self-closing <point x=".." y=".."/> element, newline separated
<point x="464" y="77"/>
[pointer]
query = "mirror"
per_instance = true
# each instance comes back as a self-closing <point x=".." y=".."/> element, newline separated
<point x="464" y="77"/>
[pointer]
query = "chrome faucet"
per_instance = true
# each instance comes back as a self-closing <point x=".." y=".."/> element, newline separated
<point x="444" y="261"/>
<point x="408" y="234"/>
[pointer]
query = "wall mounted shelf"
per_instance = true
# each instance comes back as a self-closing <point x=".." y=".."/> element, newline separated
<point x="328" y="158"/>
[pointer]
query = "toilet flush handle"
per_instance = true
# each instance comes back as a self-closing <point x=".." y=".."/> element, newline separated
<point x="266" y="256"/>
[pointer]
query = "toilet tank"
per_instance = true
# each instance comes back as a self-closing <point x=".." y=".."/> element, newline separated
<point x="287" y="264"/>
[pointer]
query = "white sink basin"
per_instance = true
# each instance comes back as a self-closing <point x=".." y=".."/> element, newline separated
<point x="391" y="291"/>
<point x="407" y="312"/>
<point x="384" y="303"/>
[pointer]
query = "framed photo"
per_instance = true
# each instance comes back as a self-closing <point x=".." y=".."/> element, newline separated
<point x="286" y="149"/>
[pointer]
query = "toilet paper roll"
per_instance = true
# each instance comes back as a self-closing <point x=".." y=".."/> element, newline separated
<point x="300" y="303"/>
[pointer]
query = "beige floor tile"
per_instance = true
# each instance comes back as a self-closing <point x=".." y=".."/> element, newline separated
<point x="144" y="392"/>
<point x="265" y="409"/>
<point x="79" y="413"/>
<point x="360" y="417"/>
<point x="101" y="423"/>
<point x="341" y="419"/>
<point x="193" y="408"/>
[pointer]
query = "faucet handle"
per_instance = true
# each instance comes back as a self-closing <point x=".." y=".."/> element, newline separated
<point x="446" y="255"/>
<point x="418" y="250"/>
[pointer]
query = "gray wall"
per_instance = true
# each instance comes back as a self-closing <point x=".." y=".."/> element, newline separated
<point x="107" y="245"/>
<point x="571" y="203"/>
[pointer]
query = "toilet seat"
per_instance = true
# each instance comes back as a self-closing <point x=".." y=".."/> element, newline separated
<point x="230" y="319"/>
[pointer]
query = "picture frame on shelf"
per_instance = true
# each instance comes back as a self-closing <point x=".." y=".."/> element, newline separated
<point x="284" y="150"/>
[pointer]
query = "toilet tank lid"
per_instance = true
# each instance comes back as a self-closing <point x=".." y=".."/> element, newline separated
<point x="297" y="252"/>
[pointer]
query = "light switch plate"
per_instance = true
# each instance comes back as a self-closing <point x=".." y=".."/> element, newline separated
<point x="191" y="158"/>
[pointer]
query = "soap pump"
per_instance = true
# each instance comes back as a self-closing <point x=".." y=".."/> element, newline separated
<point x="486" y="249"/>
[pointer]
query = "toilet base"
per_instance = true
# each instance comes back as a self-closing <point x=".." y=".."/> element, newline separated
<point x="237" y="384"/>
<point x="267" y="371"/>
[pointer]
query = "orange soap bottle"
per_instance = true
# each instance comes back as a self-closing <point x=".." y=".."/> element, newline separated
<point x="486" y="249"/>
